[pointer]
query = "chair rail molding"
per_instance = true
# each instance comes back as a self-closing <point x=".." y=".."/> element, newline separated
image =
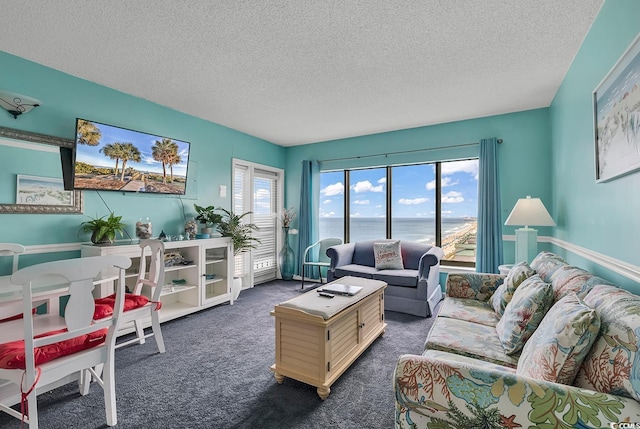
<point x="51" y="248"/>
<point x="630" y="271"/>
<point x="625" y="269"/>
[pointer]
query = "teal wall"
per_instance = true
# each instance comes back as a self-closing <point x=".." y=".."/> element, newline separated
<point x="602" y="217"/>
<point x="523" y="157"/>
<point x="64" y="98"/>
<point x="547" y="153"/>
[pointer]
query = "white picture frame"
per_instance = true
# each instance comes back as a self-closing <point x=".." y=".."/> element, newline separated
<point x="616" y="117"/>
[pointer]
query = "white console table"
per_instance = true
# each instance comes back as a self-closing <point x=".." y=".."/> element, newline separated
<point x="202" y="283"/>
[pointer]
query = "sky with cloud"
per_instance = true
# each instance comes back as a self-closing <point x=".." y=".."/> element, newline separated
<point x="413" y="191"/>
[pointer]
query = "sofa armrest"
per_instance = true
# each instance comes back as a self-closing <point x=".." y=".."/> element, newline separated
<point x="431" y="258"/>
<point x="479" y="286"/>
<point x="450" y="393"/>
<point x="341" y="254"/>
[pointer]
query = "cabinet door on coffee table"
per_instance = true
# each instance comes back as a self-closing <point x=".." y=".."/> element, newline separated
<point x="371" y="316"/>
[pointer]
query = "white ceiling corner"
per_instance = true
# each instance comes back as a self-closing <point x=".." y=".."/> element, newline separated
<point x="295" y="71"/>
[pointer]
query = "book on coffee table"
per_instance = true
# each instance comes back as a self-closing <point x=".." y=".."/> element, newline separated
<point x="340" y="289"/>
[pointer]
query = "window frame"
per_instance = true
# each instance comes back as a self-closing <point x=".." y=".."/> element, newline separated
<point x="388" y="218"/>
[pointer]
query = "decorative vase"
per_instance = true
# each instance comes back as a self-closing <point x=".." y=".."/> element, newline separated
<point x="190" y="228"/>
<point x="100" y="241"/>
<point x="144" y="228"/>
<point x="286" y="258"/>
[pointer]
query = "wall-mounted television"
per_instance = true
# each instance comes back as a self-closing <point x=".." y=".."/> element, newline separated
<point x="110" y="158"/>
<point x="67" y="159"/>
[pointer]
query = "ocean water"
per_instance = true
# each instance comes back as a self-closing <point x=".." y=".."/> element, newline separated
<point x="412" y="229"/>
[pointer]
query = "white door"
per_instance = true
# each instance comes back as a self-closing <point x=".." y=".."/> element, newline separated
<point x="258" y="189"/>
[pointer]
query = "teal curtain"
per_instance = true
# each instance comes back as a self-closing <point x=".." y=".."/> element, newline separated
<point x="489" y="248"/>
<point x="308" y="215"/>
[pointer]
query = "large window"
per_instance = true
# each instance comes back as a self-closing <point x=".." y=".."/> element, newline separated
<point x="367" y="204"/>
<point x="331" y="204"/>
<point x="434" y="203"/>
<point x="413" y="203"/>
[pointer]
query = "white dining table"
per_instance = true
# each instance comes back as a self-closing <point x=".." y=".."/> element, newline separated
<point x="46" y="290"/>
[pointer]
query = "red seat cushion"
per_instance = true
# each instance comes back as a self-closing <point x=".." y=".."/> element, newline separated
<point x="104" y="306"/>
<point x="12" y="353"/>
<point x="16" y="317"/>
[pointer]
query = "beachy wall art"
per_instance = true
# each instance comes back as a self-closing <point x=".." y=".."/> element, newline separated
<point x="616" y="107"/>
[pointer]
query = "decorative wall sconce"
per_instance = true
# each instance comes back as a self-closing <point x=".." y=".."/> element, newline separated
<point x="17" y="104"/>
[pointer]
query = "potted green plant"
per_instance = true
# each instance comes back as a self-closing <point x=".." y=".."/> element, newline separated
<point x="232" y="226"/>
<point x="207" y="217"/>
<point x="103" y="231"/>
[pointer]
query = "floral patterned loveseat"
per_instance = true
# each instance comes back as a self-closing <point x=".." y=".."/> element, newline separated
<point x="579" y="368"/>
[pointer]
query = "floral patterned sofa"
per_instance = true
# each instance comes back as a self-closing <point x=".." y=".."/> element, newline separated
<point x="578" y="365"/>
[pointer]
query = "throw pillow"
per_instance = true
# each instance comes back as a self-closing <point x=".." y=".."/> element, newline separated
<point x="388" y="256"/>
<point x="502" y="296"/>
<point x="547" y="263"/>
<point x="556" y="350"/>
<point x="523" y="314"/>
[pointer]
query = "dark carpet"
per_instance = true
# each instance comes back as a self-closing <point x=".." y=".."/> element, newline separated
<point x="215" y="374"/>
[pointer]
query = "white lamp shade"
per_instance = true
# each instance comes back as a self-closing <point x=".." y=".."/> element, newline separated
<point x="529" y="211"/>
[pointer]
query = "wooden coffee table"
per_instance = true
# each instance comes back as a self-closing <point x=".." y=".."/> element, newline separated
<point x="318" y="338"/>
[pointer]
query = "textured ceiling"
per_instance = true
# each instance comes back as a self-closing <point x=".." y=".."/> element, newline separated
<point x="302" y="71"/>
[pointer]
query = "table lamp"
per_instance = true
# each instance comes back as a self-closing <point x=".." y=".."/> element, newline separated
<point x="528" y="212"/>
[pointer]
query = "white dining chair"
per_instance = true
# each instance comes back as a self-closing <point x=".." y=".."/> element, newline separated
<point x="143" y="303"/>
<point x="40" y="350"/>
<point x="11" y="310"/>
<point x="14" y="250"/>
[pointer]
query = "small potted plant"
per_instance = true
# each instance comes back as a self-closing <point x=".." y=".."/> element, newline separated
<point x="207" y="217"/>
<point x="103" y="231"/>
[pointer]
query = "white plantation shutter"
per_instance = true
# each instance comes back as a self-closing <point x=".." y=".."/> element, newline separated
<point x="258" y="188"/>
<point x="241" y="204"/>
<point x="265" y="203"/>
<point x="241" y="192"/>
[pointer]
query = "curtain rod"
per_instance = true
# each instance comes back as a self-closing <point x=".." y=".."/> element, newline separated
<point x="402" y="152"/>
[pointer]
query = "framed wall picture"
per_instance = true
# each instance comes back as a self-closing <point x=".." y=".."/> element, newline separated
<point x="616" y="112"/>
<point x="27" y="154"/>
<point x="42" y="191"/>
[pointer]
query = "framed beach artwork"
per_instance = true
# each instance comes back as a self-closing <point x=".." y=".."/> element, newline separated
<point x="616" y="109"/>
<point x="42" y="191"/>
<point x="36" y="161"/>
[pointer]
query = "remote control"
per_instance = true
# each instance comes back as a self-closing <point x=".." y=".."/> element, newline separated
<point x="326" y="294"/>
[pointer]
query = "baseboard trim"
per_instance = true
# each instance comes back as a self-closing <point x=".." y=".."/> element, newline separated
<point x="630" y="271"/>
